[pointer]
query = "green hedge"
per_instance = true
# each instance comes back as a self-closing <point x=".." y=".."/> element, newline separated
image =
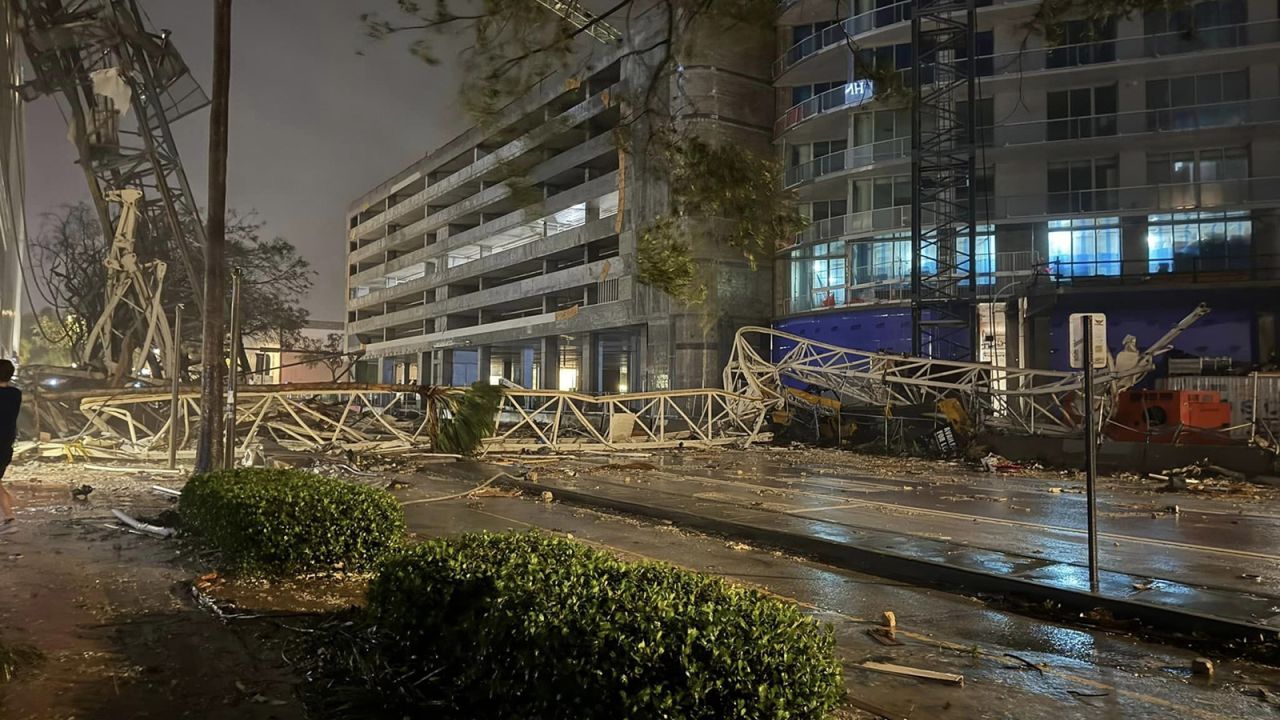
<point x="284" y="522"/>
<point x="532" y="626"/>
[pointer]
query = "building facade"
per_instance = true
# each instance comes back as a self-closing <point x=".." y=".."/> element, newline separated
<point x="509" y="252"/>
<point x="1132" y="169"/>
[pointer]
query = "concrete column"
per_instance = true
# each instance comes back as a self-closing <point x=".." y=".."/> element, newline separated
<point x="442" y="367"/>
<point x="386" y="370"/>
<point x="484" y="361"/>
<point x="1266" y="244"/>
<point x="426" y="368"/>
<point x="550" y="362"/>
<point x="589" y="371"/>
<point x="1133" y="245"/>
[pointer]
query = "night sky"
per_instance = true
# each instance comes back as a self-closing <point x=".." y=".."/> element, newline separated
<point x="313" y="124"/>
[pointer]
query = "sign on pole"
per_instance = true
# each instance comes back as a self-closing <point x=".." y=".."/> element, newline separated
<point x="1088" y="334"/>
<point x="1098" y="351"/>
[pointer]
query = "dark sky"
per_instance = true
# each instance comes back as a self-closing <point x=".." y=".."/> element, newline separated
<point x="313" y="124"/>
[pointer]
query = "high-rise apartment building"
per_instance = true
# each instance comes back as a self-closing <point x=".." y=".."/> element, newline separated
<point x="510" y="252"/>
<point x="1133" y="169"/>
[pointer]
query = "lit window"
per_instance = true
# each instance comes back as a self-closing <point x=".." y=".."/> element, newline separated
<point x="1197" y="242"/>
<point x="1081" y="247"/>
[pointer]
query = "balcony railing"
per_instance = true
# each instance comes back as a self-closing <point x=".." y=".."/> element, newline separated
<point x="854" y="157"/>
<point x="1224" y="268"/>
<point x="850" y="94"/>
<point x="1220" y="269"/>
<point x="1020" y="62"/>
<point x="892" y="283"/>
<point x="841" y="32"/>
<point x="1176" y="119"/>
<point x="1179" y="119"/>
<point x="1169" y="197"/>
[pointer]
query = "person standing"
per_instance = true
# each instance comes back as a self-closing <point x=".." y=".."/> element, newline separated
<point x="10" y="404"/>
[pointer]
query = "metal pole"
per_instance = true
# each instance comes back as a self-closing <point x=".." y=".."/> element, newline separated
<point x="1253" y="412"/>
<point x="1090" y="453"/>
<point x="175" y="371"/>
<point x="233" y="378"/>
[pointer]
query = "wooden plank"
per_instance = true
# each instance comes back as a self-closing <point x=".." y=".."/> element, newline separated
<point x="904" y="671"/>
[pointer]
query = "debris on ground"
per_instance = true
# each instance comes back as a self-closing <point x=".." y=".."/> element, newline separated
<point x="155" y="530"/>
<point x="994" y="463"/>
<point x="904" y="671"/>
<point x="631" y="466"/>
<point x="1026" y="664"/>
<point x="1202" y="667"/>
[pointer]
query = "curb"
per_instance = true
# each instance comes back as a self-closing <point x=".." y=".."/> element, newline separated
<point x="1164" y="619"/>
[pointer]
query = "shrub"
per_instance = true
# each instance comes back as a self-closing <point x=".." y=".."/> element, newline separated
<point x="282" y="522"/>
<point x="532" y="626"/>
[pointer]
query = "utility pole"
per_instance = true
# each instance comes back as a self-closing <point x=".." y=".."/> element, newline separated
<point x="209" y="450"/>
<point x="233" y="380"/>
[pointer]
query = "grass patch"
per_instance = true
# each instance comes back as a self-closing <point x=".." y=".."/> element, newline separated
<point x="280" y="523"/>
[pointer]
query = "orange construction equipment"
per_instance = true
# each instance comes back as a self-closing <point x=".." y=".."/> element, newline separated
<point x="1190" y="417"/>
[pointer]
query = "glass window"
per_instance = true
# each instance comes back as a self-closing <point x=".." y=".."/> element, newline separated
<point x="1083" y="247"/>
<point x="1197" y="166"/>
<point x="1083" y="185"/>
<point x="882" y="193"/>
<point x="1198" y="242"/>
<point x="984" y="256"/>
<point x="1194" y="101"/>
<point x="885" y="259"/>
<point x="1081" y="113"/>
<point x="1205" y="25"/>
<point x="818" y="276"/>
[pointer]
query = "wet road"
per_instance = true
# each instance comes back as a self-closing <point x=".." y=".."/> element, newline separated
<point x="1036" y="524"/>
<point x="1083" y="674"/>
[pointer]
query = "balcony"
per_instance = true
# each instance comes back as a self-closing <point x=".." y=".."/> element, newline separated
<point x="849" y="95"/>
<point x="1160" y="120"/>
<point x="841" y="33"/>
<point x="1137" y="200"/>
<point x="1113" y="125"/>
<point x="893" y="285"/>
<point x="1177" y="270"/>
<point x="850" y="159"/>
<point x="854" y="28"/>
<point x="1023" y="64"/>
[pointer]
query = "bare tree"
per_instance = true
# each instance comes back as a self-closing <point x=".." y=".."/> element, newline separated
<point x="69" y="278"/>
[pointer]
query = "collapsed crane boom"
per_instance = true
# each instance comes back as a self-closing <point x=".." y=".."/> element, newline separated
<point x="124" y="86"/>
<point x="583" y="19"/>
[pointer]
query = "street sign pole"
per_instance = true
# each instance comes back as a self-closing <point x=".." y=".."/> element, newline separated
<point x="1090" y="453"/>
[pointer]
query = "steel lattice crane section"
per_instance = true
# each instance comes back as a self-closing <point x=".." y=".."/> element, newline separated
<point x="101" y="59"/>
<point x="583" y="19"/>
<point x="1018" y="400"/>
<point x="943" y="211"/>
